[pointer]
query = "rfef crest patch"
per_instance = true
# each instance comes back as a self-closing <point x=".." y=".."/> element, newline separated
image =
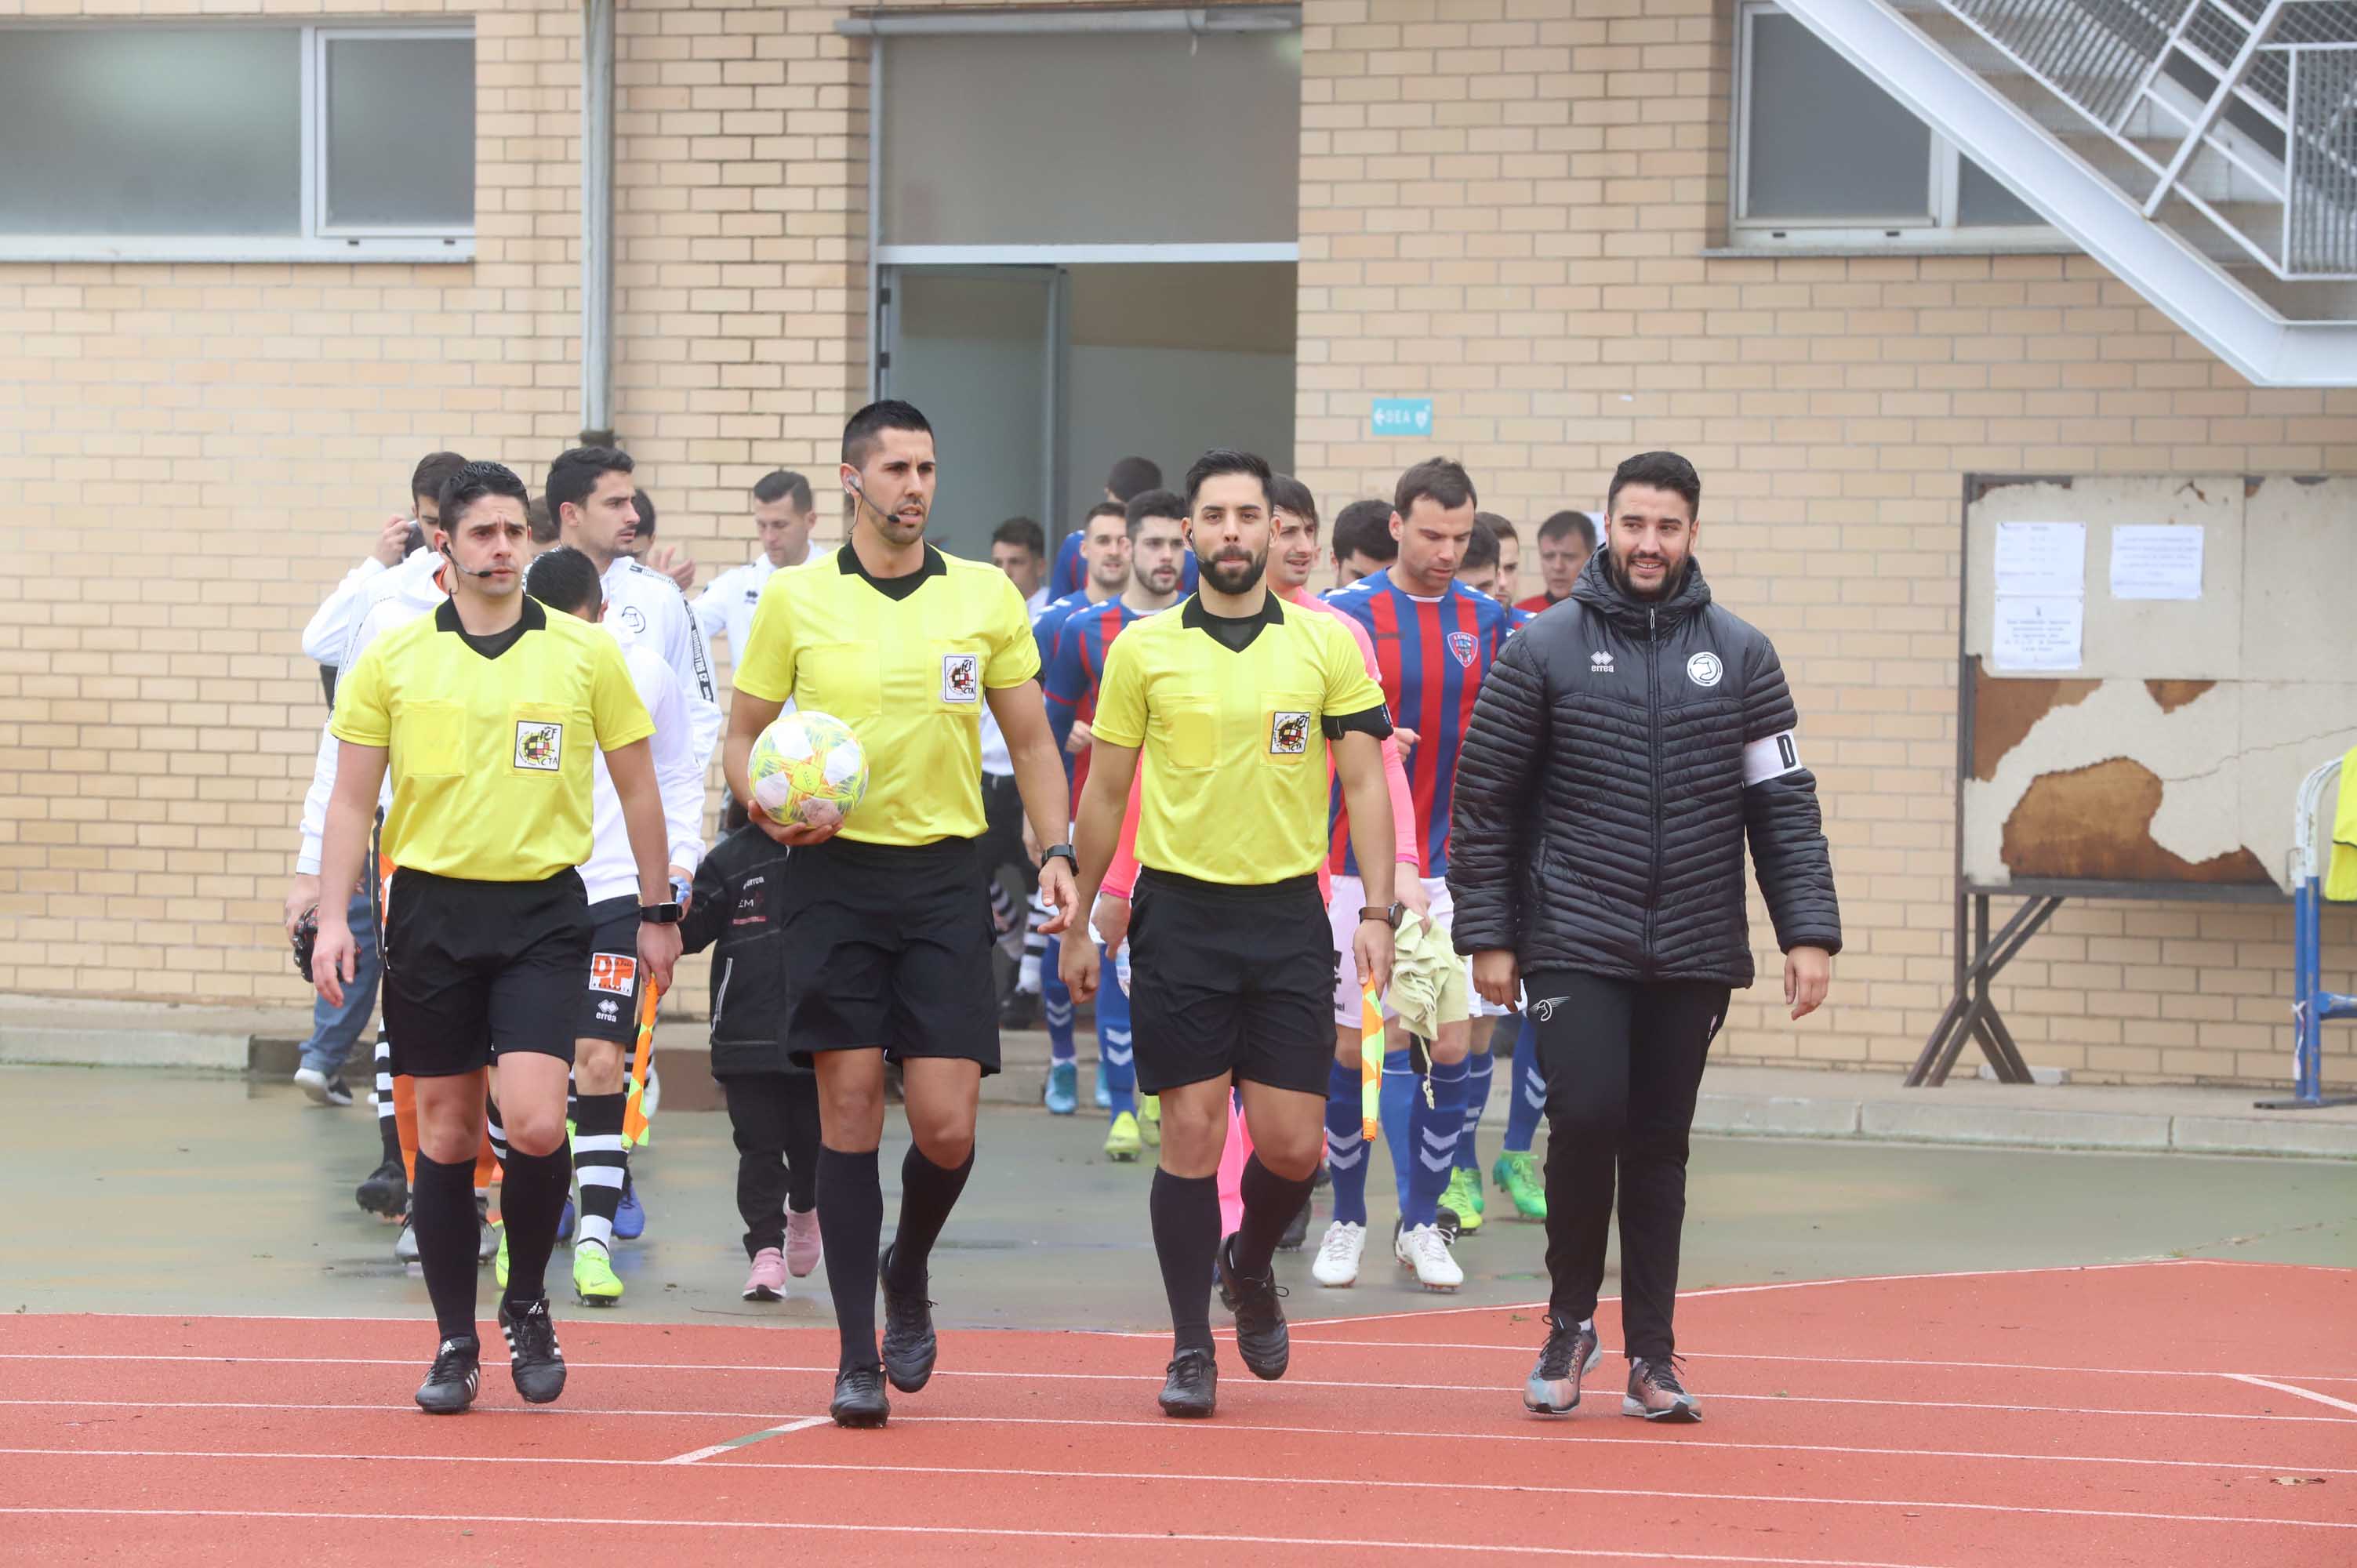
<point x="960" y="678"/>
<point x="1288" y="734"/>
<point x="539" y="747"/>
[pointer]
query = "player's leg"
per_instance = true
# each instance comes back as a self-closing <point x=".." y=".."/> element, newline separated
<point x="336" y="1029"/>
<point x="851" y="1192"/>
<point x="1515" y="1172"/>
<point x="449" y="1115"/>
<point x="1463" y="1196"/>
<point x="600" y="1164"/>
<point x="799" y="1094"/>
<point x="386" y="1190"/>
<point x="1021" y="1008"/>
<point x="1583" y="1025"/>
<point x="1435" y="1121"/>
<point x="1183" y="1209"/>
<point x="757" y="1122"/>
<point x="1336" y="1264"/>
<point x="1116" y="1063"/>
<point x="1673" y="1026"/>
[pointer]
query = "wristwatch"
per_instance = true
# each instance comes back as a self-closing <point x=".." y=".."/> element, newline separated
<point x="660" y="914"/>
<point x="1389" y="916"/>
<point x="1062" y="852"/>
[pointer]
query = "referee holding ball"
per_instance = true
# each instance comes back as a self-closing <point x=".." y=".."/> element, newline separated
<point x="1237" y="699"/>
<point x="486" y="710"/>
<point x="888" y="935"/>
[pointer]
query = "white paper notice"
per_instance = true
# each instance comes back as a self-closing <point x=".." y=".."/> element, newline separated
<point x="2155" y="562"/>
<point x="2041" y="558"/>
<point x="2037" y="633"/>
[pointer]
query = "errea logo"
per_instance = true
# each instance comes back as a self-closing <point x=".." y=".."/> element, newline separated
<point x="1600" y="662"/>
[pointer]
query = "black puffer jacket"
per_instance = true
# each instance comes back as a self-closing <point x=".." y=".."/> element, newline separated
<point x="737" y="912"/>
<point x="1602" y="802"/>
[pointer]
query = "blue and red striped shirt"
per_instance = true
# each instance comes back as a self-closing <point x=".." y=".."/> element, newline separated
<point x="1433" y="654"/>
<point x="1071" y="676"/>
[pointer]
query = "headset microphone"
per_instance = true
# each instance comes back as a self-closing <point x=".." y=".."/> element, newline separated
<point x="470" y="571"/>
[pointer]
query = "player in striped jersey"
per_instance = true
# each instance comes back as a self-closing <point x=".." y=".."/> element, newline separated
<point x="1434" y="640"/>
<point x="1155" y="527"/>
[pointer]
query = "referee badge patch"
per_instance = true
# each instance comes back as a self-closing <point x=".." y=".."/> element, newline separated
<point x="1288" y="734"/>
<point x="539" y="747"/>
<point x="961" y="677"/>
<point x="613" y="973"/>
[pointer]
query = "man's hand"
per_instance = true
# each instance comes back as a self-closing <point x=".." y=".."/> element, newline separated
<point x="1497" y="976"/>
<point x="1111" y="920"/>
<point x="1408" y="888"/>
<point x="794" y="835"/>
<point x="1079" y="968"/>
<point x="1407" y="738"/>
<point x="679" y="568"/>
<point x="658" y="950"/>
<point x="1078" y="741"/>
<point x="1061" y="896"/>
<point x="1808" y="975"/>
<point x="302" y="896"/>
<point x="1372" y="949"/>
<point x="332" y="958"/>
<point x="391" y="542"/>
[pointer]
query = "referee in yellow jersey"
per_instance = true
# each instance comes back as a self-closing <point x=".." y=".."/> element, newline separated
<point x="887" y="934"/>
<point x="486" y="710"/>
<point x="1238" y="700"/>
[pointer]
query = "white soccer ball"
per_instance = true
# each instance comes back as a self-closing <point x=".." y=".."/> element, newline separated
<point x="809" y="767"/>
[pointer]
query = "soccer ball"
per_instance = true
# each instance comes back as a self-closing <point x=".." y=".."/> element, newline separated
<point x="809" y="767"/>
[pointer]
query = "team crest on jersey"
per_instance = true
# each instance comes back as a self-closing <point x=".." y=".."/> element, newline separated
<point x="1704" y="670"/>
<point x="633" y="619"/>
<point x="1288" y="734"/>
<point x="1462" y="644"/>
<point x="961" y="677"/>
<point x="613" y="973"/>
<point x="539" y="747"/>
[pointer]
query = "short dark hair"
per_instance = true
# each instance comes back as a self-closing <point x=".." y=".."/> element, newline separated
<point x="1664" y="471"/>
<point x="1365" y="528"/>
<point x="1225" y="461"/>
<point x="564" y="579"/>
<point x="1564" y="523"/>
<point x="1498" y="526"/>
<point x="1104" y="508"/>
<point x="1154" y="504"/>
<point x="783" y="484"/>
<point x="1024" y="533"/>
<point x="1133" y="476"/>
<point x="433" y="471"/>
<point x="1481" y="545"/>
<point x="471" y="483"/>
<point x="576" y="473"/>
<point x="1444" y="479"/>
<point x="860" y="431"/>
<point x="1286" y="493"/>
<point x="646" y="505"/>
<point x="542" y="527"/>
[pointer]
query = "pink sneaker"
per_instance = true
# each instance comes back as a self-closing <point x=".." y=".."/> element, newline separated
<point x="768" y="1280"/>
<point x="801" y="1243"/>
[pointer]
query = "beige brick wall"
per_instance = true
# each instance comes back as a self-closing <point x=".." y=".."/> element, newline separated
<point x="1504" y="205"/>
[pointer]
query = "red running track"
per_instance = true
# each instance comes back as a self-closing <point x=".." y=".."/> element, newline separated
<point x="2146" y="1414"/>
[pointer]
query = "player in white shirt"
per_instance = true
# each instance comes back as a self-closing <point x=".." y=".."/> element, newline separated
<point x="783" y="516"/>
<point x="591" y="496"/>
<point x="1018" y="547"/>
<point x="565" y="579"/>
<point x="331" y="626"/>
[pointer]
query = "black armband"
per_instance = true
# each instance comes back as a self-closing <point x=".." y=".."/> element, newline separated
<point x="1375" y="721"/>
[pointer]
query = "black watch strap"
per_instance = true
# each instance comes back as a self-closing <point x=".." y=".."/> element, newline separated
<point x="660" y="914"/>
<point x="1062" y="852"/>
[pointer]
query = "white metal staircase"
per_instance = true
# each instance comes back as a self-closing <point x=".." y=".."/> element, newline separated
<point x="2205" y="151"/>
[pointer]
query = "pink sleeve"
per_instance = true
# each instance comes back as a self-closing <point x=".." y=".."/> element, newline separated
<point x="1403" y="833"/>
<point x="1121" y="877"/>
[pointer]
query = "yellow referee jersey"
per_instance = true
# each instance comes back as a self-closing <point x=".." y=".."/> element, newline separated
<point x="491" y="755"/>
<point x="1235" y="740"/>
<point x="904" y="661"/>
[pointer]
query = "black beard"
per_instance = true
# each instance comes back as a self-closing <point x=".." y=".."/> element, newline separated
<point x="1670" y="583"/>
<point x="1215" y="573"/>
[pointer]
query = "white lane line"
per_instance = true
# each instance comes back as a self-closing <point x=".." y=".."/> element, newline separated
<point x="870" y="1527"/>
<point x="2292" y="1389"/>
<point x="1733" y="1355"/>
<point x="1785" y="1500"/>
<point x="693" y="1455"/>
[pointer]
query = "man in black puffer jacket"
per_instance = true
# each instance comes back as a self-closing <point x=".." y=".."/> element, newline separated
<point x="1626" y="745"/>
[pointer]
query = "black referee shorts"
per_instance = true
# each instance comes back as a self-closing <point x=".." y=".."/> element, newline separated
<point x="608" y="1009"/>
<point x="1230" y="980"/>
<point x="475" y="970"/>
<point x="890" y="945"/>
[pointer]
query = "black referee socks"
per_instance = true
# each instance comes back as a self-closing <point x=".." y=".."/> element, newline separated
<point x="928" y="1193"/>
<point x="442" y="1218"/>
<point x="532" y="1199"/>
<point x="1270" y="1201"/>
<point x="1186" y="1212"/>
<point x="851" y="1196"/>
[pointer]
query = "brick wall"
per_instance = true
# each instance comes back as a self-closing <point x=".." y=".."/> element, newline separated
<point x="1504" y="205"/>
